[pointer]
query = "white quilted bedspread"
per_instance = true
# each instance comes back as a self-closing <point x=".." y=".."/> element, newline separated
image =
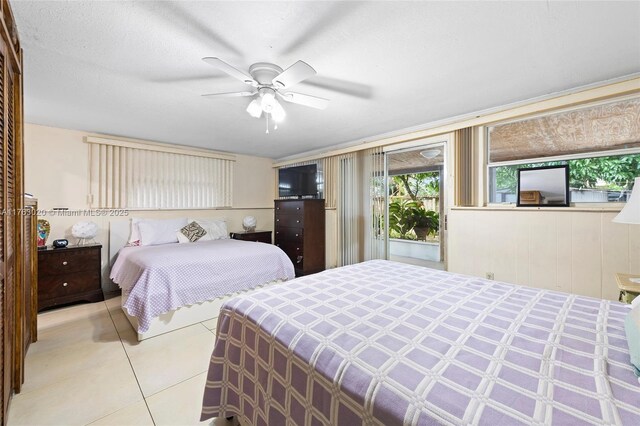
<point x="159" y="279"/>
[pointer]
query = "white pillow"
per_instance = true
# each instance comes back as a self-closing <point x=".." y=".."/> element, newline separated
<point x="216" y="229"/>
<point x="134" y="232"/>
<point x="154" y="232"/>
<point x="183" y="239"/>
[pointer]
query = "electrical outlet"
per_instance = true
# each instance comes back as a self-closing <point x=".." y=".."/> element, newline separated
<point x="490" y="275"/>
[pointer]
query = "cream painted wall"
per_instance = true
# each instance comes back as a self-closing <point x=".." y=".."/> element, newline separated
<point x="566" y="250"/>
<point x="56" y="173"/>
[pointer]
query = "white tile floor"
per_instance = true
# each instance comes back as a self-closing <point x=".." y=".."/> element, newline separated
<point x="88" y="368"/>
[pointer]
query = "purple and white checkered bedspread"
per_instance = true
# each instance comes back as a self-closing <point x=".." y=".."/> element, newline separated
<point x="393" y="344"/>
<point x="159" y="279"/>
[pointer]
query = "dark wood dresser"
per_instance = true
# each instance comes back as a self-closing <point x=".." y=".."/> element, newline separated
<point x="300" y="233"/>
<point x="67" y="275"/>
<point x="258" y="236"/>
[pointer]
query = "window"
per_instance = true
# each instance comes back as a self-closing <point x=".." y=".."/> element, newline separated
<point x="605" y="179"/>
<point x="599" y="142"/>
<point x="153" y="176"/>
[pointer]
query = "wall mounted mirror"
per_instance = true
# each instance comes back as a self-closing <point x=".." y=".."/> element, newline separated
<point x="543" y="187"/>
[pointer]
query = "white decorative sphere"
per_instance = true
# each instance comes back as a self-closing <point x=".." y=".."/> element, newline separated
<point x="84" y="230"/>
<point x="249" y="223"/>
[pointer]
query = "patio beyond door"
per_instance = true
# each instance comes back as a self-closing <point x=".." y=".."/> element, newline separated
<point x="415" y="205"/>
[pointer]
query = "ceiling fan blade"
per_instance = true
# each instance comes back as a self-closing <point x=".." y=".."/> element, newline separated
<point x="306" y="100"/>
<point x="233" y="72"/>
<point x="346" y="87"/>
<point x="294" y="74"/>
<point x="229" y="94"/>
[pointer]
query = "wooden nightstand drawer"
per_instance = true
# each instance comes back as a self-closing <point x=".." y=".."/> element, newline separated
<point x="63" y="261"/>
<point x="257" y="236"/>
<point x="69" y="275"/>
<point x="56" y="286"/>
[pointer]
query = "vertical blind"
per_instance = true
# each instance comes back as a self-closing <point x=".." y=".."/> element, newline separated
<point x="374" y="204"/>
<point x="465" y="169"/>
<point x="349" y="208"/>
<point x="354" y="185"/>
<point x="134" y="177"/>
<point x="361" y="206"/>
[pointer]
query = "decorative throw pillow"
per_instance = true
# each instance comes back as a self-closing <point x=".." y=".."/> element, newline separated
<point x="193" y="231"/>
<point x="216" y="229"/>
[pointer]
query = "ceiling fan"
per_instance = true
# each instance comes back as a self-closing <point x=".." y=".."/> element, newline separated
<point x="269" y="83"/>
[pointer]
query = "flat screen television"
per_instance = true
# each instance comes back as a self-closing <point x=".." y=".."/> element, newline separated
<point x="300" y="181"/>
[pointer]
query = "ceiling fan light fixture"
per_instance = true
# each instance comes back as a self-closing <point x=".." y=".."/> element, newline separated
<point x="268" y="80"/>
<point x="255" y="108"/>
<point x="268" y="101"/>
<point x="277" y="113"/>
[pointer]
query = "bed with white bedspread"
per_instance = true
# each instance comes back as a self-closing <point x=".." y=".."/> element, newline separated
<point x="384" y="343"/>
<point x="162" y="278"/>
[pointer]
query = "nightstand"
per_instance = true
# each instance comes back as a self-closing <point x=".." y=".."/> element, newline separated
<point x="70" y="274"/>
<point x="628" y="289"/>
<point x="258" y="236"/>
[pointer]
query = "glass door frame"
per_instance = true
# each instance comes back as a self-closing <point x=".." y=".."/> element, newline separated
<point x="444" y="143"/>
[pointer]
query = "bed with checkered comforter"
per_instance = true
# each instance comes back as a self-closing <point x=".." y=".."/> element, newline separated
<point x="384" y="343"/>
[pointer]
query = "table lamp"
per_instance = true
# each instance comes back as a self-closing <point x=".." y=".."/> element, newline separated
<point x="631" y="211"/>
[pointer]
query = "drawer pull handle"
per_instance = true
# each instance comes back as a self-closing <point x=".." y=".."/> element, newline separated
<point x="277" y="220"/>
<point x="298" y="248"/>
<point x="65" y="284"/>
<point x="296" y="235"/>
<point x="297" y="208"/>
<point x="297" y="221"/>
<point x="65" y="262"/>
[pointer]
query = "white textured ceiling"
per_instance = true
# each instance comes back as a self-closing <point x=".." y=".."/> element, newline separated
<point x="134" y="68"/>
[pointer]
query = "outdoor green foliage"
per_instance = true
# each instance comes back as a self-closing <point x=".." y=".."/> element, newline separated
<point x="409" y="220"/>
<point x="615" y="173"/>
<point x="415" y="185"/>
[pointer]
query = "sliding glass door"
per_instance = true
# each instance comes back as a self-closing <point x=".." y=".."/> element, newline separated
<point x="415" y="205"/>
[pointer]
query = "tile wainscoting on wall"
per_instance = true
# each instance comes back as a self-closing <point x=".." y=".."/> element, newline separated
<point x="572" y="251"/>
